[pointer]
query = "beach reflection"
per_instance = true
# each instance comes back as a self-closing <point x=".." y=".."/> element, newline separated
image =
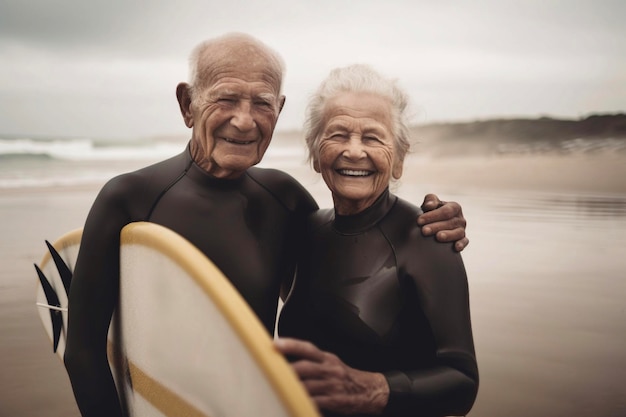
<point x="565" y="208"/>
<point x="547" y="286"/>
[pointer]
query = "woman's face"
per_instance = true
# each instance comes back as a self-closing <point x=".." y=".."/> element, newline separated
<point x="357" y="155"/>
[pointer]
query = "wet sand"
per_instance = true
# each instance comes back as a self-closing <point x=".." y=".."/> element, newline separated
<point x="546" y="268"/>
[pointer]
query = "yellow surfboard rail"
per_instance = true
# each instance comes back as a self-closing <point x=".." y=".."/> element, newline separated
<point x="235" y="309"/>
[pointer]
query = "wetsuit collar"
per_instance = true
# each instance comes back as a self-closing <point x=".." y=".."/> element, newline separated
<point x="200" y="176"/>
<point x="358" y="223"/>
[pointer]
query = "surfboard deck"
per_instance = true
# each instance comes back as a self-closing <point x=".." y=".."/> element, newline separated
<point x="183" y="342"/>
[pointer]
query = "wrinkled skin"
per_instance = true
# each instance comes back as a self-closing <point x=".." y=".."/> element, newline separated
<point x="233" y="112"/>
<point x="333" y="385"/>
<point x="357" y="154"/>
<point x="444" y="220"/>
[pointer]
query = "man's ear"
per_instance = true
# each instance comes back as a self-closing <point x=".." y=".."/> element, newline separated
<point x="281" y="103"/>
<point x="183" y="94"/>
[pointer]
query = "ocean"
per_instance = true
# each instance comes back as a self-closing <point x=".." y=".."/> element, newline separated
<point x="27" y="162"/>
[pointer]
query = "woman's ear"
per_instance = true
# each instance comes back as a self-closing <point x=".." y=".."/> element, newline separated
<point x="183" y="94"/>
<point x="316" y="165"/>
<point x="397" y="169"/>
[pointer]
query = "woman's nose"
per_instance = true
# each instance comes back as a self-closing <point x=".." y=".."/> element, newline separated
<point x="354" y="148"/>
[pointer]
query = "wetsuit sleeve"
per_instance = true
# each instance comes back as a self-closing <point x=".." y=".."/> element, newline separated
<point x="92" y="299"/>
<point x="438" y="280"/>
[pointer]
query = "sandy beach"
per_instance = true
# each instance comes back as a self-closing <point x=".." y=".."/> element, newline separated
<point x="546" y="268"/>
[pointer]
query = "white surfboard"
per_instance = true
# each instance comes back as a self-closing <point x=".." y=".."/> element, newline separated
<point x="183" y="342"/>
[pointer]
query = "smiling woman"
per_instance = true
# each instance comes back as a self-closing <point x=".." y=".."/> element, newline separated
<point x="357" y="135"/>
<point x="378" y="319"/>
<point x="357" y="155"/>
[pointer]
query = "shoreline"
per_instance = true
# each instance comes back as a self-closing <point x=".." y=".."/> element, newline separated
<point x="601" y="173"/>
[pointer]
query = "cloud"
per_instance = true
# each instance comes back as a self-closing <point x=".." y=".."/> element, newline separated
<point x="120" y="60"/>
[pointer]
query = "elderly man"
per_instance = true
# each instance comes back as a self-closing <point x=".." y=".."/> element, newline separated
<point x="247" y="220"/>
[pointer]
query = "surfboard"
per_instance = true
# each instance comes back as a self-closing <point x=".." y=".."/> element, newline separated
<point x="183" y="342"/>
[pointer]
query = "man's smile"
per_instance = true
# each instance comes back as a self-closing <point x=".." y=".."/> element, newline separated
<point x="237" y="141"/>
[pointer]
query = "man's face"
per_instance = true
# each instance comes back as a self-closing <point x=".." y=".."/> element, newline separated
<point x="233" y="114"/>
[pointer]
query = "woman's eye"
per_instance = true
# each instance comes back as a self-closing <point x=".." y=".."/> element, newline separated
<point x="337" y="135"/>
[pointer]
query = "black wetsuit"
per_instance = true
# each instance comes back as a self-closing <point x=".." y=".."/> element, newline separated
<point x="384" y="298"/>
<point x="249" y="227"/>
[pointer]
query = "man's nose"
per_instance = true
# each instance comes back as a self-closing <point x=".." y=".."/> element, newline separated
<point x="243" y="119"/>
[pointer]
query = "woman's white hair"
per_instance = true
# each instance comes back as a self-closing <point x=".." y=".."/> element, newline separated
<point x="357" y="78"/>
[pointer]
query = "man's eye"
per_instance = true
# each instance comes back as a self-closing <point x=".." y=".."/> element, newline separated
<point x="226" y="100"/>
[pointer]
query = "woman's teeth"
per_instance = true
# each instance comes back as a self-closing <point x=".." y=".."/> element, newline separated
<point x="354" y="172"/>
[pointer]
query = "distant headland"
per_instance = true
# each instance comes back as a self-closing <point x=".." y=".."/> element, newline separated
<point x="597" y="132"/>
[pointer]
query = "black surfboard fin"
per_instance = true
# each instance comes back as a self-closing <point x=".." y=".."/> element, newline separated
<point x="64" y="270"/>
<point x="53" y="300"/>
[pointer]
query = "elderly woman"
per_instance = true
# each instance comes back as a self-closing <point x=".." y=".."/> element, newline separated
<point x="378" y="319"/>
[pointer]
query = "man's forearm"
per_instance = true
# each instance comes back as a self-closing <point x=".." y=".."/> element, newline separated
<point x="94" y="389"/>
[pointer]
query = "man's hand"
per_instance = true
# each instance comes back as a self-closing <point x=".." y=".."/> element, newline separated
<point x="445" y="220"/>
<point x="333" y="385"/>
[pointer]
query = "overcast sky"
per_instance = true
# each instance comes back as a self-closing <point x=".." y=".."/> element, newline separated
<point x="109" y="68"/>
